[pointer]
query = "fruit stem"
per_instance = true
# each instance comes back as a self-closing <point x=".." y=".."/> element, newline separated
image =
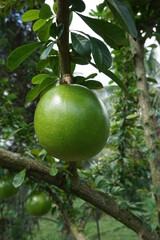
<point x="63" y="42"/>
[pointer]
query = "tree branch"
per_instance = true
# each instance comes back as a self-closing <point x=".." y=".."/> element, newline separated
<point x="15" y="163"/>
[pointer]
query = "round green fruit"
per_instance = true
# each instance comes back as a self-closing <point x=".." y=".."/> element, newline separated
<point x="38" y="203"/>
<point x="6" y="187"/>
<point x="71" y="123"/>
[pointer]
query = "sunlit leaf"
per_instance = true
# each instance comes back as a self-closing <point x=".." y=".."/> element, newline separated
<point x="132" y="116"/>
<point x="53" y="171"/>
<point x="39" y="78"/>
<point x="30" y="15"/>
<point x="38" y="24"/>
<point x="44" y="32"/>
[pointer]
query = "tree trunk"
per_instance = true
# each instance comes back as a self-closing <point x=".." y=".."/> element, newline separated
<point x="137" y="49"/>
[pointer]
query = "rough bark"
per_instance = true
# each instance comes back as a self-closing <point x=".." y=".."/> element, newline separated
<point x="15" y="163"/>
<point x="137" y="49"/>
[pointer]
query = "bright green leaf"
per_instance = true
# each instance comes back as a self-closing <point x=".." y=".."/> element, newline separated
<point x="34" y="92"/>
<point x="38" y="24"/>
<point x="81" y="45"/>
<point x="20" y="54"/>
<point x="112" y="34"/>
<point x="101" y="54"/>
<point x="19" y="178"/>
<point x="30" y="15"/>
<point x="39" y="78"/>
<point x="132" y="116"/>
<point x="44" y="32"/>
<point x="46" y="52"/>
<point x="53" y="171"/>
<point x="35" y="152"/>
<point x="45" y="12"/>
<point x="123" y="16"/>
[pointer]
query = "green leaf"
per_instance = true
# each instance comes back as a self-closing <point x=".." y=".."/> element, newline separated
<point x="42" y="64"/>
<point x="47" y="51"/>
<point x="30" y="15"/>
<point x="35" y="152"/>
<point x="123" y="16"/>
<point x="79" y="79"/>
<point x="98" y="180"/>
<point x="54" y="64"/>
<point x="53" y="171"/>
<point x="45" y="11"/>
<point x="38" y="24"/>
<point x="93" y="84"/>
<point x="78" y="5"/>
<point x="81" y="45"/>
<point x="56" y="30"/>
<point x="19" y="178"/>
<point x="152" y="80"/>
<point x="132" y="116"/>
<point x="116" y="80"/>
<point x="76" y="58"/>
<point x="39" y="78"/>
<point x="53" y="30"/>
<point x="112" y="34"/>
<point x="20" y="54"/>
<point x="93" y="75"/>
<point x="34" y="92"/>
<point x="101" y="54"/>
<point x="44" y="32"/>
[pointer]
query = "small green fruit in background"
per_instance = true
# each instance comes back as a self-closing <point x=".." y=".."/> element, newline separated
<point x="71" y="123"/>
<point x="6" y="187"/>
<point x="38" y="203"/>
